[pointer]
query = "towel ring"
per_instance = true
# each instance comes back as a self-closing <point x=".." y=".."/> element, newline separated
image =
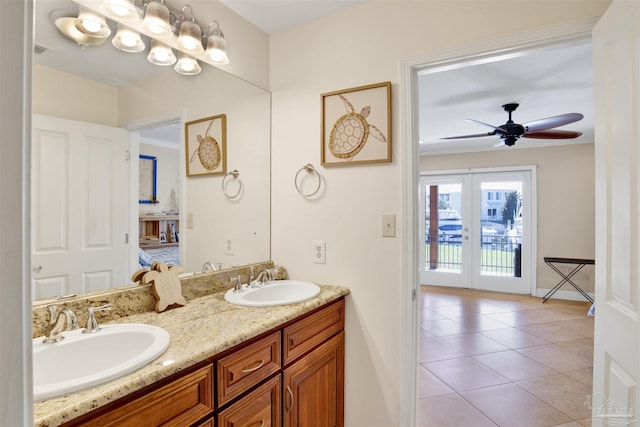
<point x="309" y="169"/>
<point x="234" y="173"/>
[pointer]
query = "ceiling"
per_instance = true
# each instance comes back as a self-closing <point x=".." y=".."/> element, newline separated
<point x="275" y="15"/>
<point x="545" y="83"/>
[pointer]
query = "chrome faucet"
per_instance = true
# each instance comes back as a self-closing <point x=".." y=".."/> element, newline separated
<point x="262" y="278"/>
<point x="207" y="266"/>
<point x="65" y="320"/>
<point x="237" y="283"/>
<point x="92" y="323"/>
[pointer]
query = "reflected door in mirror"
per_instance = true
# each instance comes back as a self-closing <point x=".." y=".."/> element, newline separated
<point x="80" y="207"/>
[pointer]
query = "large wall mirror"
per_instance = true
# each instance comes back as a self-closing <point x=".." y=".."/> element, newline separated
<point x="95" y="112"/>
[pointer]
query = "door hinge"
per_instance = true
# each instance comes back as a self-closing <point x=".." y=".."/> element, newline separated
<point x="126" y="238"/>
<point x="413" y="295"/>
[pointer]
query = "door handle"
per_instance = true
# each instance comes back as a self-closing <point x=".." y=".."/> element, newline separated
<point x="37" y="269"/>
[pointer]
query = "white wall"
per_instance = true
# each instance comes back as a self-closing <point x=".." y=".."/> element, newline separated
<point x="364" y="45"/>
<point x="247" y="108"/>
<point x="67" y="96"/>
<point x="566" y="201"/>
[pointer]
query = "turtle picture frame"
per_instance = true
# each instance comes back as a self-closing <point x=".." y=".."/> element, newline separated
<point x="206" y="146"/>
<point x="356" y="125"/>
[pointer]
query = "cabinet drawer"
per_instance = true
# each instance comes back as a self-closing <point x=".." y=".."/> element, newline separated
<point x="247" y="366"/>
<point x="307" y="333"/>
<point x="179" y="403"/>
<point x="260" y="408"/>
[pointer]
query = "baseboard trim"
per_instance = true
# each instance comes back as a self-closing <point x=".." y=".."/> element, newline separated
<point x="566" y="295"/>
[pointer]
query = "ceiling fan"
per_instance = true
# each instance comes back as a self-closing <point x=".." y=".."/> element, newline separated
<point x="510" y="132"/>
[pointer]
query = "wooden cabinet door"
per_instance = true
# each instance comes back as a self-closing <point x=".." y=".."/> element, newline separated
<point x="260" y="408"/>
<point x="314" y="387"/>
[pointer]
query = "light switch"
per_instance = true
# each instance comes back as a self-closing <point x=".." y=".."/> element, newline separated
<point x="389" y="225"/>
<point x="189" y="220"/>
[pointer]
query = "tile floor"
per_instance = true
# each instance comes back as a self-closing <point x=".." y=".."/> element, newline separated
<point x="490" y="359"/>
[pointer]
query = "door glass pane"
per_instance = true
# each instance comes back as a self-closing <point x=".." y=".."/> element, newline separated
<point x="443" y="227"/>
<point x="500" y="228"/>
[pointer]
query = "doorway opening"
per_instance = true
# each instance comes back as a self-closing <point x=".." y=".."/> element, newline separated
<point x="158" y="221"/>
<point x="411" y="68"/>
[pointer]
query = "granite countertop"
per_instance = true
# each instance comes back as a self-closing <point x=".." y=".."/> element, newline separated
<point x="206" y="326"/>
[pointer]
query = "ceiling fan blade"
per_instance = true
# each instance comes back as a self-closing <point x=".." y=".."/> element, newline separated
<point x="553" y="134"/>
<point x="477" y="135"/>
<point x="495" y="128"/>
<point x="551" y="122"/>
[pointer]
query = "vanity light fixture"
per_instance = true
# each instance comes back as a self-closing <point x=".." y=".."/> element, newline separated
<point x="123" y="9"/>
<point x="161" y="54"/>
<point x="216" y="45"/>
<point x="187" y="65"/>
<point x="128" y="40"/>
<point x="91" y="23"/>
<point x="167" y="27"/>
<point x="157" y="19"/>
<point x="66" y="23"/>
<point x="190" y="37"/>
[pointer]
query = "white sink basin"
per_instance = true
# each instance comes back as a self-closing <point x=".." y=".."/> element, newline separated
<point x="84" y="360"/>
<point x="279" y="292"/>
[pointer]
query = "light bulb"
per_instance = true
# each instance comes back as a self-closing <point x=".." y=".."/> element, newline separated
<point x="190" y="37"/>
<point x="127" y="40"/>
<point x="161" y="54"/>
<point x="156" y="19"/>
<point x="187" y="65"/>
<point x="91" y="25"/>
<point x="217" y="50"/>
<point x="124" y="9"/>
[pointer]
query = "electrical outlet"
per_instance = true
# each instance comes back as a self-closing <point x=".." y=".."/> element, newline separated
<point x="319" y="252"/>
<point x="228" y="245"/>
<point x="389" y="225"/>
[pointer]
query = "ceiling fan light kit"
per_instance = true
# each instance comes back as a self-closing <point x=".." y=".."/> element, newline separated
<point x="167" y="28"/>
<point x="510" y="132"/>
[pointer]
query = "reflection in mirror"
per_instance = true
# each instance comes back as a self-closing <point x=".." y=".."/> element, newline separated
<point x="89" y="129"/>
<point x="147" y="179"/>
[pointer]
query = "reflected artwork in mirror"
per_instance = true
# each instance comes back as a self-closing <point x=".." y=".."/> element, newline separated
<point x="147" y="179"/>
<point x="116" y="95"/>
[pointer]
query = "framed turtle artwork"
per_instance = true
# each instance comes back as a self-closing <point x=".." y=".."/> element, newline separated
<point x="206" y="146"/>
<point x="356" y="125"/>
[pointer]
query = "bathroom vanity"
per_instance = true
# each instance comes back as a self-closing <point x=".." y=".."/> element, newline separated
<point x="226" y="365"/>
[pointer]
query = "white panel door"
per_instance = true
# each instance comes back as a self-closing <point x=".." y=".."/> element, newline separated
<point x="80" y="207"/>
<point x="616" y="43"/>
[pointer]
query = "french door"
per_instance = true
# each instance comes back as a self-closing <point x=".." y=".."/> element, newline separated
<point x="478" y="233"/>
